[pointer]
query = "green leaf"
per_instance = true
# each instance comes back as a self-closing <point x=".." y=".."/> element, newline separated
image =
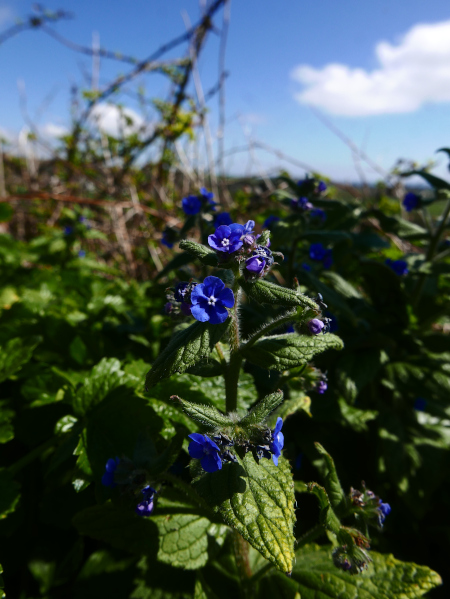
<point x="186" y="348"/>
<point x="6" y="212"/>
<point x="78" y="350"/>
<point x="327" y="516"/>
<point x="176" y="263"/>
<point x="9" y="493"/>
<point x="206" y="255"/>
<point x="183" y="540"/>
<point x="207" y="415"/>
<point x="257" y="500"/>
<point x="355" y="417"/>
<point x="15" y="353"/>
<point x="6" y="427"/>
<point x="265" y="292"/>
<point x="259" y="413"/>
<point x="386" y="577"/>
<point x="332" y="483"/>
<point x="341" y="285"/>
<point x="206" y="368"/>
<point x="104" y="378"/>
<point x="298" y="401"/>
<point x="281" y="352"/>
<point x="435" y="182"/>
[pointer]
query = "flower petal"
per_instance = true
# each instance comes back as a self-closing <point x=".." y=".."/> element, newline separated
<point x="210" y="443"/>
<point x="199" y="313"/>
<point x="198" y="293"/>
<point x="213" y="286"/>
<point x="278" y="426"/>
<point x="227" y="297"/>
<point x="217" y="313"/>
<point x="275" y="460"/>
<point x="196" y="450"/>
<point x="211" y="462"/>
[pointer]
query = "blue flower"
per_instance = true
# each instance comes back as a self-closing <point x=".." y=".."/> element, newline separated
<point x="420" y="403"/>
<point x="411" y="201"/>
<point x="208" y="197"/>
<point x="226" y="239"/>
<point x="204" y="449"/>
<point x="255" y="264"/>
<point x="315" y="326"/>
<point x="400" y="267"/>
<point x="306" y="266"/>
<point x="318" y="213"/>
<point x="145" y="507"/>
<point x="108" y="476"/>
<point x="317" y="251"/>
<point x="191" y="205"/>
<point x="222" y="219"/>
<point x="270" y="220"/>
<point x="321" y="187"/>
<point x="321" y="387"/>
<point x="384" y="509"/>
<point x="165" y="240"/>
<point x="277" y="441"/>
<point x="210" y="301"/>
<point x="303" y="204"/>
<point x="246" y="229"/>
<point x="68" y="230"/>
<point x="290" y="329"/>
<point x="180" y="291"/>
<point x="81" y="254"/>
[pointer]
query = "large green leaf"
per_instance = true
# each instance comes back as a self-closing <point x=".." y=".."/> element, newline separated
<point x="186" y="348"/>
<point x="281" y="352"/>
<point x="265" y="292"/>
<point x="207" y="415"/>
<point x="258" y="501"/>
<point x="106" y="376"/>
<point x="15" y="353"/>
<point x="386" y="577"/>
<point x="183" y="540"/>
<point x="332" y="483"/>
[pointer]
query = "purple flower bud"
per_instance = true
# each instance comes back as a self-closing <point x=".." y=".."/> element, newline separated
<point x="321" y="387"/>
<point x="315" y="326"/>
<point x="321" y="187"/>
<point x="168" y="308"/>
<point x="144" y="508"/>
<point x="255" y="264"/>
<point x="248" y="240"/>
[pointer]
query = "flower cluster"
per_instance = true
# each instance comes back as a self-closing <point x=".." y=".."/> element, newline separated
<point x="411" y="201"/>
<point x="212" y="452"/>
<point x="259" y="263"/>
<point x="319" y="253"/>
<point x="400" y="267"/>
<point x="193" y="204"/>
<point x="369" y="505"/>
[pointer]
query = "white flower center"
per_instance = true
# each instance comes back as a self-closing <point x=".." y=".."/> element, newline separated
<point x="225" y="242"/>
<point x="212" y="301"/>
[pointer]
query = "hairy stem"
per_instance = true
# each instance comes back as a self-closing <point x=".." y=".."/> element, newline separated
<point x="234" y="366"/>
<point x="283" y="319"/>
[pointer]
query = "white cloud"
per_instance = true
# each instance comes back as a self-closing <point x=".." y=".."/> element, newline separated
<point x="412" y="73"/>
<point x="53" y="130"/>
<point x="116" y="122"/>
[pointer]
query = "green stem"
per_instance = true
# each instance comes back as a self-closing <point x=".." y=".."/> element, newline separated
<point x="431" y="250"/>
<point x="234" y="366"/>
<point x="311" y="535"/>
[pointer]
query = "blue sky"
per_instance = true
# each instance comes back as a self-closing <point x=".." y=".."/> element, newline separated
<point x="377" y="71"/>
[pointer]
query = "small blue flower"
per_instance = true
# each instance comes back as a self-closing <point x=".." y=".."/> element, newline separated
<point x="318" y="213"/>
<point x="317" y="251"/>
<point x="145" y="507"/>
<point x="277" y="441"/>
<point x="420" y="403"/>
<point x="321" y="187"/>
<point x="290" y="329"/>
<point x="411" y="201"/>
<point x="222" y="219"/>
<point x="81" y="219"/>
<point x="321" y="387"/>
<point x="270" y="220"/>
<point x="108" y="476"/>
<point x="384" y="509"/>
<point x="180" y="291"/>
<point x="303" y="204"/>
<point x="81" y="254"/>
<point x="400" y="267"/>
<point x="315" y="326"/>
<point x="165" y="240"/>
<point x="255" y="264"/>
<point x="210" y="301"/>
<point x="306" y="266"/>
<point x="68" y="230"/>
<point x="191" y="205"/>
<point x="226" y="239"/>
<point x="208" y="197"/>
<point x="204" y="449"/>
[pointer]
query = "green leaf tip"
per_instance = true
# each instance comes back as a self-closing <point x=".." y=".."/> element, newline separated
<point x="207" y="415"/>
<point x="206" y="255"/>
